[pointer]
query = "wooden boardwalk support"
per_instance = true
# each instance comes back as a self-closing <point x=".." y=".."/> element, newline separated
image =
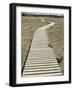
<point x="41" y="60"/>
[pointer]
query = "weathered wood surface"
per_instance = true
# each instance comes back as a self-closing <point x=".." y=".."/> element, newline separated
<point x="41" y="60"/>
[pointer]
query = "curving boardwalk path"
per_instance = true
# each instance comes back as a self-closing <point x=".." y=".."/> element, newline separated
<point x="41" y="59"/>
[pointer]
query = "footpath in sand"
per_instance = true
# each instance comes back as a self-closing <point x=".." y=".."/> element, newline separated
<point x="41" y="60"/>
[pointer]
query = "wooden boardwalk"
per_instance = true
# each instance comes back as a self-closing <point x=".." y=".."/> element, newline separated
<point x="41" y="60"/>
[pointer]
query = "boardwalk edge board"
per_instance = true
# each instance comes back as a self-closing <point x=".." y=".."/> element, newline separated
<point x="41" y="66"/>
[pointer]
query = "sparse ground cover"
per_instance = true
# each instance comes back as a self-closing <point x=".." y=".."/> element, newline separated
<point x="55" y="35"/>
